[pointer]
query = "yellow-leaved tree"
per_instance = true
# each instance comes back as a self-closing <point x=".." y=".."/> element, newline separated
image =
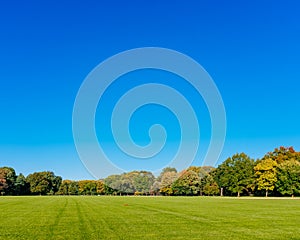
<point x="265" y="171"/>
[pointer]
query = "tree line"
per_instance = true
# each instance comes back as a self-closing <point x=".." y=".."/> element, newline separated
<point x="276" y="174"/>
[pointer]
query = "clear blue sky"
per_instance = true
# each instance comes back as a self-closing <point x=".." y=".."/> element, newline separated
<point x="250" y="48"/>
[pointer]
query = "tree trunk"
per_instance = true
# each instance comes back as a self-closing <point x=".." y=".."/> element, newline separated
<point x="238" y="194"/>
<point x="266" y="193"/>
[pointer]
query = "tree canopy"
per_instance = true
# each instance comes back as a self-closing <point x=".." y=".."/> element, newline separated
<point x="277" y="173"/>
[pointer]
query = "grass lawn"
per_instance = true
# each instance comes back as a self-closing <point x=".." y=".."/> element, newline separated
<point x="103" y="217"/>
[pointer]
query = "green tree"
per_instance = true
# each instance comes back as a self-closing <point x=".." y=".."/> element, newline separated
<point x="188" y="184"/>
<point x="73" y="188"/>
<point x="64" y="187"/>
<point x="288" y="178"/>
<point x="113" y="184"/>
<point x="265" y="170"/>
<point x="202" y="172"/>
<point x="209" y="186"/>
<point x="142" y="181"/>
<point x="21" y="186"/>
<point x="43" y="183"/>
<point x="130" y="183"/>
<point x="236" y="174"/>
<point x="126" y="184"/>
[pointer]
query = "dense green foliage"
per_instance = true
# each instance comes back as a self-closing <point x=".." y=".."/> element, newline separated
<point x="138" y="182"/>
<point x="276" y="174"/>
<point x="43" y="183"/>
<point x="105" y="217"/>
<point x="236" y="174"/>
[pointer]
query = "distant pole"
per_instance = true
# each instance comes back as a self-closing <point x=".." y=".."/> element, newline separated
<point x="221" y="193"/>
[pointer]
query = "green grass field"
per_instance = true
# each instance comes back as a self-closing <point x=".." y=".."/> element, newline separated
<point x="148" y="218"/>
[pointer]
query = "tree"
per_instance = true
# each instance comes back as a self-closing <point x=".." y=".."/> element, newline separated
<point x="64" y="188"/>
<point x="126" y="184"/>
<point x="167" y="179"/>
<point x="87" y="187"/>
<point x="288" y="178"/>
<point x="7" y="180"/>
<point x="209" y="186"/>
<point x="283" y="154"/>
<point x="113" y="183"/>
<point x="155" y="188"/>
<point x="55" y="182"/>
<point x="3" y="184"/>
<point x="202" y="173"/>
<point x="131" y="182"/>
<point x="208" y="169"/>
<point x="21" y="186"/>
<point x="236" y="174"/>
<point x="68" y="187"/>
<point x="165" y="170"/>
<point x="73" y="188"/>
<point x="194" y="169"/>
<point x="142" y="181"/>
<point x="187" y="184"/>
<point x="100" y="187"/>
<point x="168" y="169"/>
<point x="120" y="184"/>
<point x="43" y="183"/>
<point x="265" y="170"/>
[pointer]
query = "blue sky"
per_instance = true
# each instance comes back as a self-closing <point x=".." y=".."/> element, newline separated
<point x="250" y="48"/>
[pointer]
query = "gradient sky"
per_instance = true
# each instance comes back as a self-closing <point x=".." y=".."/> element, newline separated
<point x="251" y="49"/>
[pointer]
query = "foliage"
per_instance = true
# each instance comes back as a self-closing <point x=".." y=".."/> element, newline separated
<point x="277" y="173"/>
<point x="21" y="186"/>
<point x="68" y="187"/>
<point x="167" y="180"/>
<point x="265" y="171"/>
<point x="283" y="154"/>
<point x="129" y="183"/>
<point x="113" y="183"/>
<point x="236" y="174"/>
<point x="43" y="183"/>
<point x="188" y="184"/>
<point x="87" y="187"/>
<point x="165" y="170"/>
<point x="7" y="180"/>
<point x="288" y="178"/>
<point x="209" y="186"/>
